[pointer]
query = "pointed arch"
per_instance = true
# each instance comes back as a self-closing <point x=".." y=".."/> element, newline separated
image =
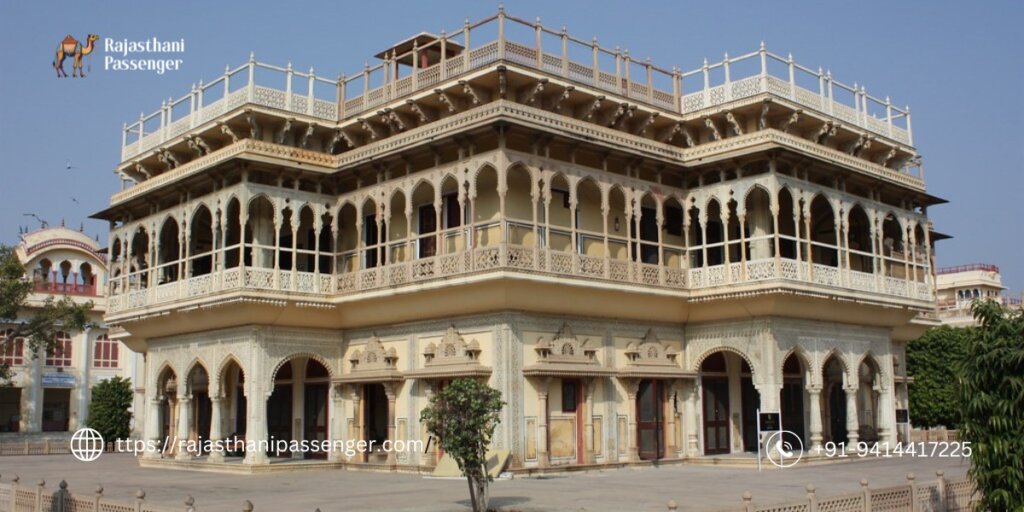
<point x="200" y="241"/>
<point x="306" y="354"/>
<point x="754" y="369"/>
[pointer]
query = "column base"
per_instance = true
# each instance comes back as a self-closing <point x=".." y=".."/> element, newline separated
<point x="216" y="456"/>
<point x="256" y="459"/>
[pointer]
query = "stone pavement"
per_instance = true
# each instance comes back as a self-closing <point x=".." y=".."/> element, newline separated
<point x="695" y="488"/>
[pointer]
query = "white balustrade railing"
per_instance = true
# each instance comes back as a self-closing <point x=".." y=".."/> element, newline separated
<point x="347" y="97"/>
<point x="519" y="258"/>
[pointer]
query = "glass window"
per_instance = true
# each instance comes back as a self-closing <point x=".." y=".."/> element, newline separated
<point x="569" y="398"/>
<point x="105" y="353"/>
<point x="61" y="353"/>
<point x="11" y="350"/>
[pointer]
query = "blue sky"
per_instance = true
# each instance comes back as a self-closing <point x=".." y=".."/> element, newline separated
<point x="957" y="64"/>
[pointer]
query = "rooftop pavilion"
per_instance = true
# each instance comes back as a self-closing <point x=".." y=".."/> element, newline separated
<point x="421" y="63"/>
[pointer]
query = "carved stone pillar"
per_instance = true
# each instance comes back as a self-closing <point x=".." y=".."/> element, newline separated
<point x="632" y="389"/>
<point x="885" y="417"/>
<point x="256" y="435"/>
<point x="153" y="426"/>
<point x="390" y="390"/>
<point x="357" y="429"/>
<point x="814" y="397"/>
<point x="692" y="426"/>
<point x="588" y="418"/>
<point x="184" y="426"/>
<point x="430" y="457"/>
<point x="216" y="434"/>
<point x="543" y="457"/>
<point x="671" y="446"/>
<point x="852" y="423"/>
<point x="337" y="423"/>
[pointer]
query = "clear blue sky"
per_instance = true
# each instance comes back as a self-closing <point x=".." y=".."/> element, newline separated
<point x="957" y="64"/>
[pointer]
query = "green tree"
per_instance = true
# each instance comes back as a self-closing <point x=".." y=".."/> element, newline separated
<point x="933" y="360"/>
<point x="463" y="417"/>
<point x="44" y="320"/>
<point x="992" y="396"/>
<point x="108" y="409"/>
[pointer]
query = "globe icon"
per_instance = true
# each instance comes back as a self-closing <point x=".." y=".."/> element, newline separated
<point x="86" y="444"/>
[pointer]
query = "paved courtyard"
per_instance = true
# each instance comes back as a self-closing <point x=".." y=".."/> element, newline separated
<point x="693" y="487"/>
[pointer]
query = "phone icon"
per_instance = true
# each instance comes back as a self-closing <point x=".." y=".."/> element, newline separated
<point x="786" y="448"/>
<point x="781" y="448"/>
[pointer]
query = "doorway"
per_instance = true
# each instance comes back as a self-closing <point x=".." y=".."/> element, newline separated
<point x="716" y="415"/>
<point x="837" y="413"/>
<point x="315" y="421"/>
<point x="427" y="226"/>
<point x="375" y="414"/>
<point x="650" y="425"/>
<point x="56" y="409"/>
<point x="10" y="409"/>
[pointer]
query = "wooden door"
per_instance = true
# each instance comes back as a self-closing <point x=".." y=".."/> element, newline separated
<point x="316" y="417"/>
<point x="650" y="414"/>
<point x="716" y="415"/>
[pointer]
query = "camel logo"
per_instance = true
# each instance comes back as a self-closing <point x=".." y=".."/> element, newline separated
<point x="71" y="47"/>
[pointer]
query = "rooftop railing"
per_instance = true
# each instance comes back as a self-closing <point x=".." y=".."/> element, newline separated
<point x="983" y="267"/>
<point x="511" y="39"/>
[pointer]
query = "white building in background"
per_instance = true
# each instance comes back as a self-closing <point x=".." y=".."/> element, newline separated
<point x="50" y="393"/>
<point x="958" y="287"/>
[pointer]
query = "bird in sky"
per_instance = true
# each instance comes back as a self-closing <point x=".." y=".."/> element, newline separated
<point x="68" y="165"/>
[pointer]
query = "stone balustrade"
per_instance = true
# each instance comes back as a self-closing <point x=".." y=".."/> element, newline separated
<point x="347" y="97"/>
<point x="505" y="257"/>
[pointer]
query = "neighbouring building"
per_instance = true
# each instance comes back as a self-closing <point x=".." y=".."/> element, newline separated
<point x="51" y="392"/>
<point x="958" y="287"/>
<point x="637" y="257"/>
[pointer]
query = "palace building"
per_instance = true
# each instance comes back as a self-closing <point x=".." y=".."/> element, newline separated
<point x="51" y="391"/>
<point x="639" y="258"/>
<point x="958" y="287"/>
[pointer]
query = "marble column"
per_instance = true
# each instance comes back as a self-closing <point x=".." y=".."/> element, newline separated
<point x="430" y="457"/>
<point x="852" y="424"/>
<point x="153" y="428"/>
<point x="390" y="390"/>
<point x="632" y="388"/>
<point x="337" y="432"/>
<point x="543" y="458"/>
<point x="357" y="434"/>
<point x="814" y="399"/>
<point x="588" y="418"/>
<point x="216" y="429"/>
<point x="671" y="444"/>
<point x="886" y="417"/>
<point x="184" y="427"/>
<point x="256" y="435"/>
<point x="692" y="426"/>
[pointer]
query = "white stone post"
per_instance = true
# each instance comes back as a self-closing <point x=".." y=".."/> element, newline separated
<point x="852" y="422"/>
<point x="814" y="397"/>
<point x="216" y="429"/>
<point x="692" y="425"/>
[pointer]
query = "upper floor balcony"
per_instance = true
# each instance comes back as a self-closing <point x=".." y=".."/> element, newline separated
<point x="502" y="39"/>
<point x="508" y="215"/>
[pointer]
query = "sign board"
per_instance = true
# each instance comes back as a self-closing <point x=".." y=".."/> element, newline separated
<point x="58" y="380"/>
<point x="770" y="422"/>
<point x="902" y="416"/>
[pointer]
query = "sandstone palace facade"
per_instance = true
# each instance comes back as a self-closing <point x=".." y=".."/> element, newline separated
<point x="638" y="258"/>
